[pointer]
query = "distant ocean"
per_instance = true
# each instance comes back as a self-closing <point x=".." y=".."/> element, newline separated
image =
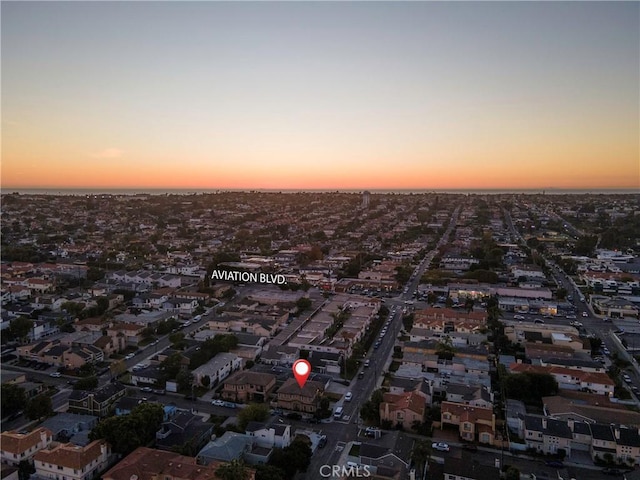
<point x="186" y="191"/>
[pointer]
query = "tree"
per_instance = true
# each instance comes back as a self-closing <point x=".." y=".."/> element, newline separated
<point x="20" y="328"/>
<point x="234" y="470"/>
<point x="445" y="349"/>
<point x="530" y="387"/>
<point x="294" y="458"/>
<point x="255" y="412"/>
<point x="39" y="407"/>
<point x="86" y="370"/>
<point x="25" y="469"/>
<point x="205" y="380"/>
<point x="125" y="433"/>
<point x="269" y="472"/>
<point x="86" y="383"/>
<point x="512" y="473"/>
<point x="12" y="398"/>
<point x="421" y="454"/>
<point x="370" y="410"/>
<point x="177" y="337"/>
<point x="184" y="380"/>
<point x="303" y="304"/>
<point x="170" y="366"/>
<point x="103" y="304"/>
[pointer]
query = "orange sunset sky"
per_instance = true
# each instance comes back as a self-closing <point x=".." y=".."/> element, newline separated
<point x="414" y="95"/>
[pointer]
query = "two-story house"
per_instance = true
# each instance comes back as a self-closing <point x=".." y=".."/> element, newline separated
<point x="97" y="403"/>
<point x="16" y="447"/>
<point x="150" y="464"/>
<point x="217" y="369"/>
<point x="248" y="386"/>
<point x="474" y="423"/>
<point x="71" y="462"/>
<point x="307" y="399"/>
<point x="406" y="409"/>
<point x="547" y="435"/>
<point x="278" y="435"/>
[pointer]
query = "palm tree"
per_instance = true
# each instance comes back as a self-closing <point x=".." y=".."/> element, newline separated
<point x="445" y="348"/>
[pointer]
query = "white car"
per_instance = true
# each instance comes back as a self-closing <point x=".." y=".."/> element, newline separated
<point x="55" y="374"/>
<point x="440" y="446"/>
<point x="129" y="356"/>
<point x="585" y="314"/>
<point x="218" y="403"/>
<point x="348" y="397"/>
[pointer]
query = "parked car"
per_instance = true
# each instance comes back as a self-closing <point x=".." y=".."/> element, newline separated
<point x="55" y="374"/>
<point x="371" y="432"/>
<point x="146" y="389"/>
<point x="322" y="442"/>
<point x="348" y="397"/>
<point x="554" y="464"/>
<point x="159" y="391"/>
<point x="440" y="446"/>
<point x="218" y="403"/>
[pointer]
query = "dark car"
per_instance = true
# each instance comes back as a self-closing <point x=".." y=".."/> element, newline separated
<point x="616" y="471"/>
<point x="159" y="391"/>
<point x="190" y="397"/>
<point x="294" y="416"/>
<point x="554" y="464"/>
<point x="470" y="447"/>
<point x="322" y="442"/>
<point x="146" y="389"/>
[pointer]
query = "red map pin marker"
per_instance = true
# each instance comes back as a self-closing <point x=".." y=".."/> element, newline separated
<point x="301" y="370"/>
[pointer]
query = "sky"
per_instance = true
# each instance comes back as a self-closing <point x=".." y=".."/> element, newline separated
<point x="314" y="95"/>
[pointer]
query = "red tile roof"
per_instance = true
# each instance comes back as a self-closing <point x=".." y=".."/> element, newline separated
<point x="71" y="456"/>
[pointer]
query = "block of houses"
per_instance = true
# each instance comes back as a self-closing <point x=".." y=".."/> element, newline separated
<point x="547" y="435"/>
<point x="247" y="386"/>
<point x="72" y="462"/>
<point x="474" y="423"/>
<point x="572" y="379"/>
<point x="16" y="447"/>
<point x="151" y="464"/>
<point x="307" y="399"/>
<point x="404" y="409"/>
<point x="390" y="460"/>
<point x="217" y="369"/>
<point x="476" y="395"/>
<point x="627" y="444"/>
<point x="588" y="407"/>
<point x="184" y="430"/>
<point x="130" y="333"/>
<point x="462" y="469"/>
<point x="230" y="446"/>
<point x="276" y="435"/>
<point x="71" y="427"/>
<point x="603" y="442"/>
<point x="97" y="403"/>
<point x="149" y="376"/>
<point x="280" y="355"/>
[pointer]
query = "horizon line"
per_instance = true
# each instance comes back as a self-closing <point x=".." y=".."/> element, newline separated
<point x="4" y="190"/>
